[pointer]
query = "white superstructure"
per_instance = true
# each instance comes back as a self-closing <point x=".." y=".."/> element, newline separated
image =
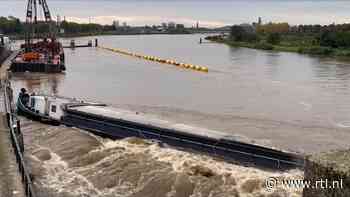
<point x="48" y="105"/>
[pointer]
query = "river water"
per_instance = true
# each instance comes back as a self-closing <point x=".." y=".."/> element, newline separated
<point x="285" y="100"/>
<point x="68" y="162"/>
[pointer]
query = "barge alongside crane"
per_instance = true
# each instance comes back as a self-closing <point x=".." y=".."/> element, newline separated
<point x="115" y="123"/>
<point x="41" y="52"/>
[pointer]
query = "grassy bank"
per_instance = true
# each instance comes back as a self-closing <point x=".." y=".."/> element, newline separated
<point x="295" y="46"/>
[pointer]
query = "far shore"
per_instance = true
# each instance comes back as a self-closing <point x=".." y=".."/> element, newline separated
<point x="76" y="35"/>
<point x="310" y="50"/>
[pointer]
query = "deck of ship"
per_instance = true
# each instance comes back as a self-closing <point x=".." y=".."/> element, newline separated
<point x="117" y="123"/>
<point x="121" y="114"/>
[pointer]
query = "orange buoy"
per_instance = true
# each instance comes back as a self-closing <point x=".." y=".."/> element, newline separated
<point x="31" y="56"/>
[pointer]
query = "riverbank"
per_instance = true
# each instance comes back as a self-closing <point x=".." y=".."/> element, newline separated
<point x="284" y="47"/>
<point x="10" y="179"/>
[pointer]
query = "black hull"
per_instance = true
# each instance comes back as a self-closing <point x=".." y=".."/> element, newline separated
<point x="24" y="111"/>
<point x="37" y="67"/>
<point x="228" y="149"/>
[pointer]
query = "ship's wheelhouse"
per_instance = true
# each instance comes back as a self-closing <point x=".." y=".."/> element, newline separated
<point x="47" y="106"/>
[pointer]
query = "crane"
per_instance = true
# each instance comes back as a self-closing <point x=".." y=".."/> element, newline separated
<point x="41" y="51"/>
<point x="33" y="4"/>
<point x="33" y="7"/>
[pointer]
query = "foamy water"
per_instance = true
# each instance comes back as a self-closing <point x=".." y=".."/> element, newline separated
<point x="70" y="162"/>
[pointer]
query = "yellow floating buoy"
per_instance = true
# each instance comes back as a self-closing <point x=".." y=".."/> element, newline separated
<point x="157" y="59"/>
<point x="204" y="69"/>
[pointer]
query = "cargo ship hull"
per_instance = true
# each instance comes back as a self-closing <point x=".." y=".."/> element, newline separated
<point x="37" y="67"/>
<point x="116" y="123"/>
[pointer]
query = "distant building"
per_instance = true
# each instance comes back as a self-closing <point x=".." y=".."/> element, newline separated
<point x="294" y="29"/>
<point x="171" y="25"/>
<point x="197" y="25"/>
<point x="164" y="25"/>
<point x="180" y="26"/>
<point x="258" y="23"/>
<point x="125" y="24"/>
<point x="116" y="24"/>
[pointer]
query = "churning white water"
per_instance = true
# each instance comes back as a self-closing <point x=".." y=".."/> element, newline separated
<point x="73" y="163"/>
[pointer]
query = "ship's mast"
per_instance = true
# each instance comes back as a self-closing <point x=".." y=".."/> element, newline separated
<point x="32" y="19"/>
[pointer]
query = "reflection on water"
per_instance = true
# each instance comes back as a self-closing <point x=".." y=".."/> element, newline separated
<point x="41" y="83"/>
<point x="285" y="100"/>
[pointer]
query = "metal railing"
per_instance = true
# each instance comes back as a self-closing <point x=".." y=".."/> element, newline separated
<point x="15" y="131"/>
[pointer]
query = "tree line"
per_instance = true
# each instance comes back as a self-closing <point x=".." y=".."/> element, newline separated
<point x="13" y="26"/>
<point x="334" y="36"/>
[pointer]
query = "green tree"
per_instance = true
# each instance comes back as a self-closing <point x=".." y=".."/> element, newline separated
<point x="237" y="33"/>
<point x="273" y="28"/>
<point x="10" y="25"/>
<point x="273" y="38"/>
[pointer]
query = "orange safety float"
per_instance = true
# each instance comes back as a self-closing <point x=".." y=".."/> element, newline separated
<point x="31" y="56"/>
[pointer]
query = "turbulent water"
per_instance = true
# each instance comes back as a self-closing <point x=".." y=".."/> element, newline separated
<point x="285" y="100"/>
<point x="68" y="162"/>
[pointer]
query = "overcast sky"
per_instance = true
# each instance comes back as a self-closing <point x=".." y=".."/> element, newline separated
<point x="208" y="13"/>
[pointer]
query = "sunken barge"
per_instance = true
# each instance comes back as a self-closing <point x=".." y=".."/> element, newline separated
<point x="116" y="123"/>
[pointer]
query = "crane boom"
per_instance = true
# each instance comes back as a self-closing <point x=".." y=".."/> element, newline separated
<point x="45" y="7"/>
<point x="32" y="18"/>
<point x="29" y="11"/>
<point x="46" y="10"/>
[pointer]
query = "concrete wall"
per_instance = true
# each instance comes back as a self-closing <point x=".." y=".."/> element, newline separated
<point x="10" y="179"/>
<point x="4" y="53"/>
